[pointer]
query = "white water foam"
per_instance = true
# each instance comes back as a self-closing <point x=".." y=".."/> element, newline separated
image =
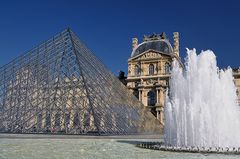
<point x="201" y="109"/>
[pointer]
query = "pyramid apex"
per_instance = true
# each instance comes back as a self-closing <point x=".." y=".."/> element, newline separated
<point x="68" y="29"/>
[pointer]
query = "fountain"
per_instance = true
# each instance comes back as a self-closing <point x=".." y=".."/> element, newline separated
<point x="201" y="111"/>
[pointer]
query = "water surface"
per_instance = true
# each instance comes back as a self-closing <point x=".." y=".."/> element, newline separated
<point x="74" y="147"/>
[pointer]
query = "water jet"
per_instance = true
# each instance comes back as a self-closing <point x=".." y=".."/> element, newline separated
<point x="201" y="109"/>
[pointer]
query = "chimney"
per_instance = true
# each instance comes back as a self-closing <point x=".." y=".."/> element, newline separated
<point x="176" y="43"/>
<point x="134" y="43"/>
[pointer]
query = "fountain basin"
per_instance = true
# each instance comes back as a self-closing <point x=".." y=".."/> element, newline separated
<point x="189" y="149"/>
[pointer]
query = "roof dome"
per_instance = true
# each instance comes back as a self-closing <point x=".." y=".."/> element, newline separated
<point x="161" y="45"/>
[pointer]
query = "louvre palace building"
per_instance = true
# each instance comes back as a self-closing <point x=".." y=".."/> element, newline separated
<point x="149" y="68"/>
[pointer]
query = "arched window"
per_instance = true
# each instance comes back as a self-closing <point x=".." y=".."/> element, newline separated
<point x="151" y="69"/>
<point x="57" y="119"/>
<point x="76" y="121"/>
<point x="48" y="121"/>
<point x="167" y="68"/>
<point x="137" y="70"/>
<point x="151" y="98"/>
<point x="87" y="119"/>
<point x="67" y="119"/>
<point x="39" y="118"/>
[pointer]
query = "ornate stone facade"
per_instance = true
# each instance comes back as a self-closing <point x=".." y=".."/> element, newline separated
<point x="149" y="70"/>
<point x="236" y="75"/>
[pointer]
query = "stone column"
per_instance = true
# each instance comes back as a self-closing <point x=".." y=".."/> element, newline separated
<point x="145" y="97"/>
<point x="161" y="115"/>
<point x="158" y="115"/>
<point x="161" y="96"/>
<point x="140" y="95"/>
<point x="161" y="105"/>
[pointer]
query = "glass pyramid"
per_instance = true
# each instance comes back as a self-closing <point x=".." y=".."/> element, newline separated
<point x="61" y="87"/>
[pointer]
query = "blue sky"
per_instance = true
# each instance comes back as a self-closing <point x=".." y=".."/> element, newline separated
<point x="107" y="26"/>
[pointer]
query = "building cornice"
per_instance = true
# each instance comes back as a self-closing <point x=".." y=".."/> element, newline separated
<point x="147" y="77"/>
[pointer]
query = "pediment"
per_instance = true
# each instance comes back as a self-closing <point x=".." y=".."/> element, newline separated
<point x="149" y="55"/>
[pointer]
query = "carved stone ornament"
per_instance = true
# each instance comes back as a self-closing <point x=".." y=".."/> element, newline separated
<point x="149" y="55"/>
<point x="151" y="81"/>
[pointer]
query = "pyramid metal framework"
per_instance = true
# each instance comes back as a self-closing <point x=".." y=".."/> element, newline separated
<point x="61" y="87"/>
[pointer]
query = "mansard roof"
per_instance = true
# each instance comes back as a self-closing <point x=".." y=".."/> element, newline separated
<point x="160" y="45"/>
